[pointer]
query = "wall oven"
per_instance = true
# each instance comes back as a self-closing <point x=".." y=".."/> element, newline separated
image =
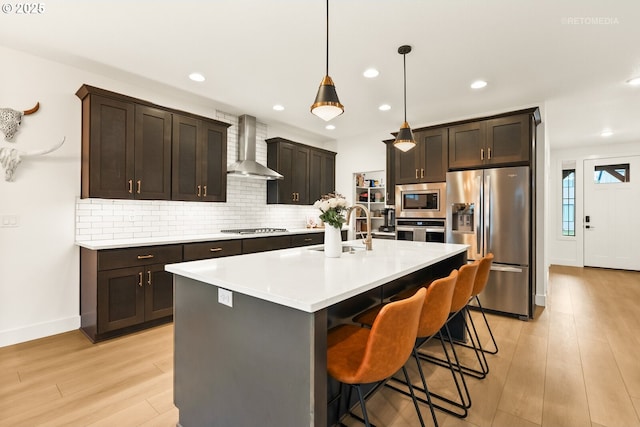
<point x="421" y="200"/>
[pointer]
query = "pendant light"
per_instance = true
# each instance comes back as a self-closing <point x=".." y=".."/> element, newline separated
<point x="327" y="105"/>
<point x="404" y="140"/>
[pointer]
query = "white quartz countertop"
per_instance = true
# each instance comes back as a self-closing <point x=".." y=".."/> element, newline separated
<point x="168" y="240"/>
<point x="304" y="279"/>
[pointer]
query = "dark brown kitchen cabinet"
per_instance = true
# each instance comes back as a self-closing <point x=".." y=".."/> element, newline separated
<point x="322" y="173"/>
<point x="427" y="161"/>
<point x="309" y="172"/>
<point x="126" y="148"/>
<point x="214" y="249"/>
<point x="124" y="290"/>
<point x="199" y="160"/>
<point x="306" y="239"/>
<point x="494" y="142"/>
<point x="263" y="244"/>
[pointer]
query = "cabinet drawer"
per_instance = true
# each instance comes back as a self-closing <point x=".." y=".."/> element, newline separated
<point x="307" y="239"/>
<point x="145" y="255"/>
<point x="216" y="249"/>
<point x="262" y="244"/>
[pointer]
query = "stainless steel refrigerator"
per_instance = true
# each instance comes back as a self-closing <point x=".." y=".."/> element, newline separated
<point x="491" y="211"/>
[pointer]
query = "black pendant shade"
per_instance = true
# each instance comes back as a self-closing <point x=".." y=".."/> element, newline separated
<point x="404" y="140"/>
<point x="327" y="105"/>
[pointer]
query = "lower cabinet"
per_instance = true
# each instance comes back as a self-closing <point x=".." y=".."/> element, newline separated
<point x="213" y="249"/>
<point x="123" y="290"/>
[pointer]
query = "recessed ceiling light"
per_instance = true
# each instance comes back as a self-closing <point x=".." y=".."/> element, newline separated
<point x="606" y="133"/>
<point x="384" y="107"/>
<point x="196" y="77"/>
<point x="478" y="84"/>
<point x="371" y="73"/>
<point x="330" y="127"/>
<point x="278" y="107"/>
<point x="634" y="81"/>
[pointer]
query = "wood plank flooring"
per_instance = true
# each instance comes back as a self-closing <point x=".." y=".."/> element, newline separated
<point x="575" y="364"/>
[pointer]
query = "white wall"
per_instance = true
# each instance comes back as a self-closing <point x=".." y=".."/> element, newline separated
<point x="565" y="250"/>
<point x="39" y="262"/>
<point x="362" y="154"/>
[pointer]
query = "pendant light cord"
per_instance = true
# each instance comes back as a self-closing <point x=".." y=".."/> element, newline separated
<point x="404" y="62"/>
<point x="327" y="73"/>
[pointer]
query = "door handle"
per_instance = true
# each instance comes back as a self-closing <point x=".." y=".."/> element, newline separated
<point x="149" y="277"/>
<point x="421" y="173"/>
<point x="199" y="191"/>
<point x="140" y="279"/>
<point x="416" y="173"/>
<point x="482" y="154"/>
<point x="130" y="186"/>
<point x="205" y="191"/>
<point x="139" y="186"/>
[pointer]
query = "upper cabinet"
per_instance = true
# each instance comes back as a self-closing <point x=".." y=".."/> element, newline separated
<point x="132" y="149"/>
<point x="308" y="172"/>
<point x="494" y="142"/>
<point x="199" y="160"/>
<point x="427" y="161"/>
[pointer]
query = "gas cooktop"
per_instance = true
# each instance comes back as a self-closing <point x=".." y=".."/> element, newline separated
<point x="263" y="230"/>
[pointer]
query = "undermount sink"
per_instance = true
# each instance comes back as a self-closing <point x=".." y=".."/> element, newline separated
<point x="345" y="248"/>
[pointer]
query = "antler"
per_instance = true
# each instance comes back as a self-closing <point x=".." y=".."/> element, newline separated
<point x="10" y="158"/>
<point x="33" y="110"/>
<point x="43" y="151"/>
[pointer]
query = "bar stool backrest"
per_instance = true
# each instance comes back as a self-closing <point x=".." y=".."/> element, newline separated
<point x="437" y="305"/>
<point x="464" y="286"/>
<point x="482" y="276"/>
<point x="393" y="335"/>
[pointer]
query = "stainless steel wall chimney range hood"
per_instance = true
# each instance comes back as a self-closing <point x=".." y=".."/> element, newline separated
<point x="246" y="166"/>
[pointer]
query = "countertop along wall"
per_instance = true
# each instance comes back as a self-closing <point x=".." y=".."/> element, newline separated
<point x="39" y="261"/>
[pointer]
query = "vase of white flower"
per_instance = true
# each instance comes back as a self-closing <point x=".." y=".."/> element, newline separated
<point x="332" y="206"/>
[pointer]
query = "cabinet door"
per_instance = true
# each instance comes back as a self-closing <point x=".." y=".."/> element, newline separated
<point x="158" y="286"/>
<point x="120" y="298"/>
<point x="215" y="249"/>
<point x="467" y="145"/>
<point x="262" y="244"/>
<point x="186" y="165"/>
<point x="433" y="149"/>
<point x="301" y="176"/>
<point x="307" y="239"/>
<point x="407" y="165"/>
<point x="321" y="174"/>
<point x="213" y="162"/>
<point x="280" y="157"/>
<point x="391" y="173"/>
<point x="110" y="152"/>
<point x="508" y="140"/>
<point x="152" y="154"/>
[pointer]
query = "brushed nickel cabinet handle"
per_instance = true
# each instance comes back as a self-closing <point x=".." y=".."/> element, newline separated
<point x="145" y="256"/>
<point x="308" y="239"/>
<point x="130" y="186"/>
<point x="139" y="186"/>
<point x="482" y="154"/>
<point x="421" y="173"/>
<point x="489" y="153"/>
<point x="140" y="279"/>
<point x="205" y="191"/>
<point x="416" y="173"/>
<point x="149" y="277"/>
<point x="215" y="249"/>
<point x="199" y="190"/>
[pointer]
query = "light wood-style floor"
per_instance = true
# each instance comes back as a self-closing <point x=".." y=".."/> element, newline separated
<point x="575" y="364"/>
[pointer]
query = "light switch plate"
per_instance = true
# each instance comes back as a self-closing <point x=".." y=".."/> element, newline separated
<point x="225" y="297"/>
<point x="9" y="221"/>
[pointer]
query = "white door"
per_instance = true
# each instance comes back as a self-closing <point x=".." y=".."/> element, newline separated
<point x="612" y="213"/>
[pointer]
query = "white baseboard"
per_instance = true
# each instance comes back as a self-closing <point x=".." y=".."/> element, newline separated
<point x="39" y="330"/>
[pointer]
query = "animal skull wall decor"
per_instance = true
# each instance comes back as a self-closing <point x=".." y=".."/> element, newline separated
<point x="10" y="158"/>
<point x="10" y="120"/>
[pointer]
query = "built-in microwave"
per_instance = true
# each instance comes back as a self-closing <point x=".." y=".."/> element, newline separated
<point x="421" y="200"/>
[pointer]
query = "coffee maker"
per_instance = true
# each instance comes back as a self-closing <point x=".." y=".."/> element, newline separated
<point x="389" y="220"/>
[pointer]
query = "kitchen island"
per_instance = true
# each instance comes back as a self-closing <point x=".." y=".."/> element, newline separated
<point x="250" y="330"/>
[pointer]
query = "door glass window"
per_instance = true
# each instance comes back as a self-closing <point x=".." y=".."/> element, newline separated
<point x="610" y="174"/>
<point x="569" y="202"/>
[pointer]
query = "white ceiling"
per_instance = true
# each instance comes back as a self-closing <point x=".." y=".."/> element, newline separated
<point x="572" y="56"/>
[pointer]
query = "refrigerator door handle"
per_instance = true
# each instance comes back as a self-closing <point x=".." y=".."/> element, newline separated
<point x="479" y="225"/>
<point x="506" y="268"/>
<point x="487" y="215"/>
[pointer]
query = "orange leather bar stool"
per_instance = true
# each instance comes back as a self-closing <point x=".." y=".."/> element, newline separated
<point x="357" y="356"/>
<point x="482" y="277"/>
<point x="435" y="312"/>
<point x="461" y="295"/>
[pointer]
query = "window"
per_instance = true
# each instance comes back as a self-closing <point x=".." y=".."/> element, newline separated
<point x="611" y="174"/>
<point x="568" y="202"/>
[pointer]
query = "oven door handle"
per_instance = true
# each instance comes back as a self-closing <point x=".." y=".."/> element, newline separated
<point x="400" y="228"/>
<point x="434" y="229"/>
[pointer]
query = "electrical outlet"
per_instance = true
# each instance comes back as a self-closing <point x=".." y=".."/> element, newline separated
<point x="225" y="297"/>
<point x="9" y="221"/>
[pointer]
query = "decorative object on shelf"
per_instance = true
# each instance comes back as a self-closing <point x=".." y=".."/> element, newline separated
<point x="10" y="158"/>
<point x="404" y="140"/>
<point x="327" y="105"/>
<point x="10" y="120"/>
<point x="332" y="206"/>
